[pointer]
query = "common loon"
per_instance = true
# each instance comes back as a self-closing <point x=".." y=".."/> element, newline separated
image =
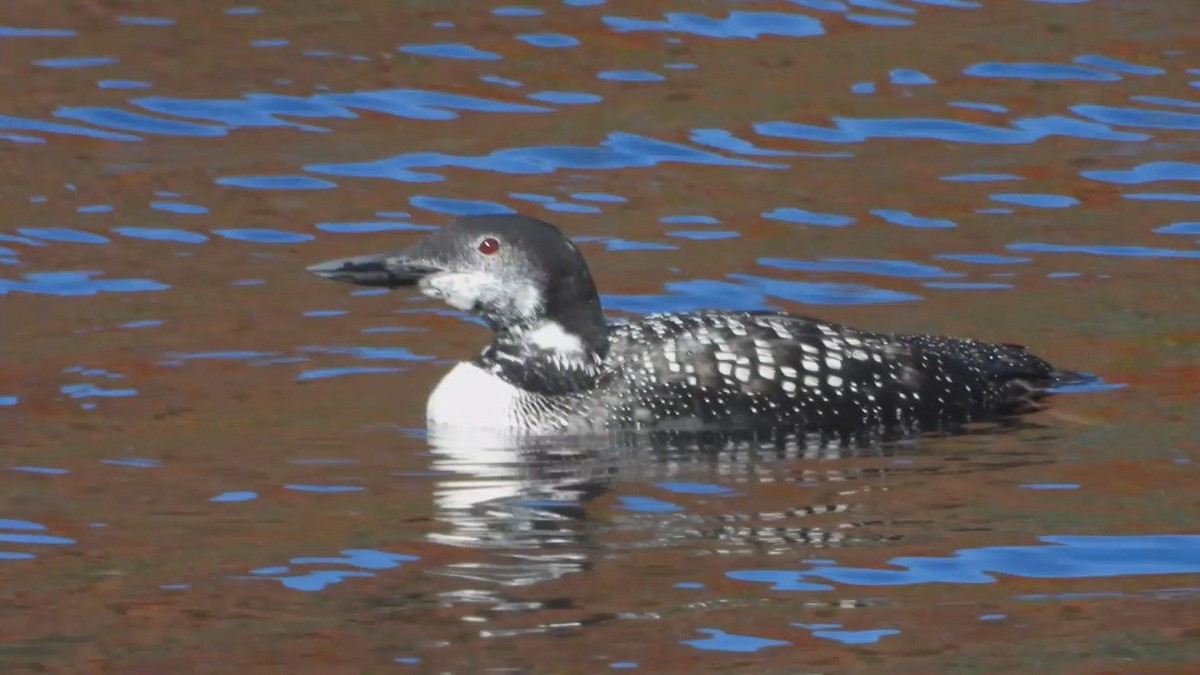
<point x="556" y="366"/>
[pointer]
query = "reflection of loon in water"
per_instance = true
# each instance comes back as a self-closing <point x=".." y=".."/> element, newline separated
<point x="530" y="504"/>
<point x="556" y="366"/>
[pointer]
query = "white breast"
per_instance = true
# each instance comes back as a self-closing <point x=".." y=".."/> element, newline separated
<point x="470" y="397"/>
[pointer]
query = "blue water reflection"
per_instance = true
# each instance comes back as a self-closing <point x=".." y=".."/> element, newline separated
<point x="750" y="292"/>
<point x="15" y="533"/>
<point x="178" y="207"/>
<point x="19" y="123"/>
<point x="1109" y="63"/>
<point x="76" y="283"/>
<point x="1058" y="557"/>
<point x="1163" y="196"/>
<point x="1147" y="173"/>
<point x="886" y="268"/>
<point x="161" y="234"/>
<point x="41" y="470"/>
<point x="720" y="641"/>
<point x="263" y="235"/>
<point x="276" y="182"/>
<point x="517" y="11"/>
<point x="630" y="76"/>
<point x="1106" y="250"/>
<point x="647" y="504"/>
<point x="1187" y="228"/>
<point x="739" y="24"/>
<point x="1025" y="130"/>
<point x="453" y="50"/>
<point x="125" y="120"/>
<point x="877" y="20"/>
<point x="805" y="217"/>
<point x="834" y="631"/>
<point x="906" y="219"/>
<point x="564" y="97"/>
<point x="981" y="177"/>
<point x="619" y="150"/>
<point x="317" y="573"/>
<point x="64" y="234"/>
<point x="1035" y="200"/>
<point x="323" y="489"/>
<point x="76" y="62"/>
<point x="145" y="21"/>
<point x="910" y="77"/>
<point x="1039" y="71"/>
<point x="1139" y="117"/>
<point x="549" y="40"/>
<point x="234" y="496"/>
<point x="22" y="32"/>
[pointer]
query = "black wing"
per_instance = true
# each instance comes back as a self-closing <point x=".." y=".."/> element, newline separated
<point x="693" y="370"/>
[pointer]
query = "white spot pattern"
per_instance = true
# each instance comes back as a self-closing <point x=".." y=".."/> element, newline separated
<point x="691" y="371"/>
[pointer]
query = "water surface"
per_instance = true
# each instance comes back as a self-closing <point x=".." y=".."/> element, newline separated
<point x="211" y="456"/>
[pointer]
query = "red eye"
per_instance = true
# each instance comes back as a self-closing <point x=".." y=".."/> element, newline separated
<point x="489" y="246"/>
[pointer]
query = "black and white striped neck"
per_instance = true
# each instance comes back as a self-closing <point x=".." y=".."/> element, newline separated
<point x="547" y="358"/>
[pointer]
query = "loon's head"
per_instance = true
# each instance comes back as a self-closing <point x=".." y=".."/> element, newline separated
<point x="520" y="274"/>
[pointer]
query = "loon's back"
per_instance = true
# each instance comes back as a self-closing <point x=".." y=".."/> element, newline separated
<point x="756" y="369"/>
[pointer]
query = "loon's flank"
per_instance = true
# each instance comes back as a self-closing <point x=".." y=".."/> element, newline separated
<point x="556" y="365"/>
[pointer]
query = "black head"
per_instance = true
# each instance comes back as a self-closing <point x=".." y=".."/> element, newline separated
<point x="520" y="274"/>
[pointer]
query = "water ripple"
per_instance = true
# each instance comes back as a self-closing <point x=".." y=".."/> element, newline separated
<point x="804" y="217"/>
<point x="630" y="76"/>
<point x="453" y="50"/>
<point x="75" y="283"/>
<point x="20" y="32"/>
<point x="1148" y="173"/>
<point x="363" y="564"/>
<point x="906" y="219"/>
<point x="1027" y="130"/>
<point x="517" y="11"/>
<point x="887" y="268"/>
<point x="265" y="110"/>
<point x="744" y="25"/>
<point x="618" y="151"/>
<point x="1035" y="200"/>
<point x="276" y="182"/>
<point x="1139" y="117"/>
<point x="124" y="120"/>
<point x="1106" y="250"/>
<point x="1058" y="557"/>
<point x="161" y="234"/>
<point x="549" y="40"/>
<point x="1109" y="63"/>
<point x="326" y="373"/>
<point x="1038" y="71"/>
<point x="76" y="62"/>
<point x="909" y="77"/>
<point x="9" y="122"/>
<point x="830" y="631"/>
<point x="13" y="531"/>
<point x="720" y="641"/>
<point x="264" y="236"/>
<point x="64" y="234"/>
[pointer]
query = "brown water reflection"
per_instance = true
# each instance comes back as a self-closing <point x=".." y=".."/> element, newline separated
<point x="582" y="558"/>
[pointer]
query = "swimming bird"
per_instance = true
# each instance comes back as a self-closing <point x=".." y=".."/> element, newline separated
<point x="557" y="366"/>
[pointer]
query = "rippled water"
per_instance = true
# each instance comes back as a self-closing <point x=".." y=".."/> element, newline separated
<point x="214" y="458"/>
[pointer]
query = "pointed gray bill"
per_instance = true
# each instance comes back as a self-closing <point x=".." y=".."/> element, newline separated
<point x="389" y="270"/>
